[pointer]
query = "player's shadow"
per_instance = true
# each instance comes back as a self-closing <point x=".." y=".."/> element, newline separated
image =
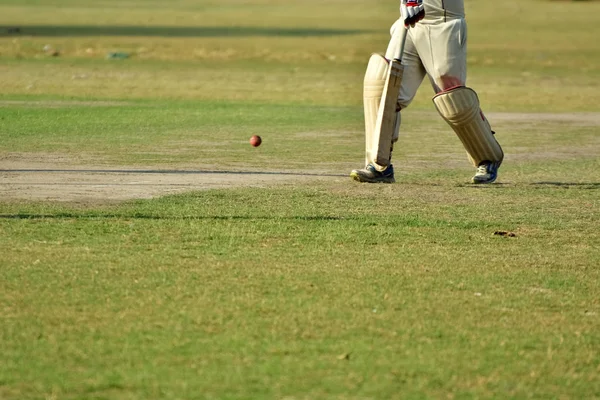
<point x="170" y="31"/>
<point x="578" y="185"/>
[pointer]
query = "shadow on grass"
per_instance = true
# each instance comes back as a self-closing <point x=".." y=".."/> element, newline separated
<point x="164" y="171"/>
<point x="171" y="31"/>
<point x="539" y="185"/>
<point x="582" y="185"/>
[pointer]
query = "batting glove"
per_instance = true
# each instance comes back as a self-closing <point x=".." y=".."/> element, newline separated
<point x="412" y="11"/>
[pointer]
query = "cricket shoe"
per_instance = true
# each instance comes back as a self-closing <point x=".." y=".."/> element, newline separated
<point x="487" y="172"/>
<point x="371" y="175"/>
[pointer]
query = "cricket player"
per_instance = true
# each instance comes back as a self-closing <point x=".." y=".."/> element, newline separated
<point x="436" y="46"/>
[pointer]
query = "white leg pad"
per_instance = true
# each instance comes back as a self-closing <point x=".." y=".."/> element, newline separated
<point x="373" y="86"/>
<point x="460" y="108"/>
<point x="372" y="91"/>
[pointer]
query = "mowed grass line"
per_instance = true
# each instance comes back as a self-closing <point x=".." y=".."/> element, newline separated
<point x="234" y="294"/>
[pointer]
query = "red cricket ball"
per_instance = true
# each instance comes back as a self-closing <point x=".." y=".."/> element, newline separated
<point x="255" y="141"/>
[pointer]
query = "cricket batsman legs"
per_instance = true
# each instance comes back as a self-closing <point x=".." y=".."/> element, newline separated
<point x="380" y="142"/>
<point x="372" y="92"/>
<point x="457" y="104"/>
<point x="373" y="87"/>
<point x="459" y="107"/>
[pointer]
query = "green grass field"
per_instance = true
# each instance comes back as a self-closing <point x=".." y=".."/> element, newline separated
<point x="309" y="287"/>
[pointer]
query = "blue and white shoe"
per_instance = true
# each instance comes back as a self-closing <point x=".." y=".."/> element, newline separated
<point x="487" y="172"/>
<point x="370" y="174"/>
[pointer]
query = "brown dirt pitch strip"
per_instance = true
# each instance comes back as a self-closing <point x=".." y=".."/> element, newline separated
<point x="49" y="177"/>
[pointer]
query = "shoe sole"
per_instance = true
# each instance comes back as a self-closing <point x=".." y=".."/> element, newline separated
<point x="361" y="179"/>
<point x="477" y="182"/>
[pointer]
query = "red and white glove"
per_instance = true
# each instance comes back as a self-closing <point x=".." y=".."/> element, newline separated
<point x="412" y="11"/>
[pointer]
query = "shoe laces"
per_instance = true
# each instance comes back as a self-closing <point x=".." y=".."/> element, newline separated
<point x="482" y="169"/>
